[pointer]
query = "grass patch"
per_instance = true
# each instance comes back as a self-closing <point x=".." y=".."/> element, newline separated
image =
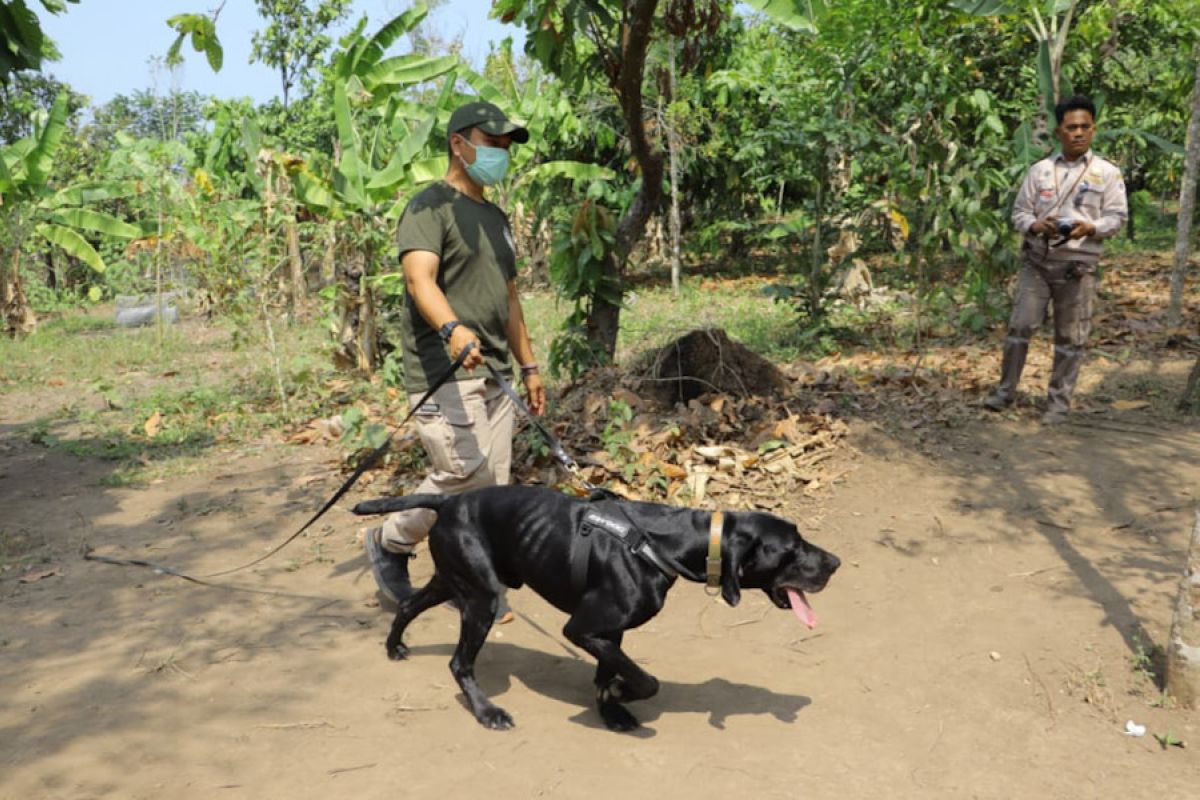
<point x="160" y="411"/>
<point x="71" y="349"/>
<point x="654" y="316"/>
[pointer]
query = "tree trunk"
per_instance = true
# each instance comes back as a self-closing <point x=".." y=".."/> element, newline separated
<point x="19" y="318"/>
<point x="604" y="319"/>
<point x="1190" y="401"/>
<point x="329" y="259"/>
<point x="673" y="153"/>
<point x="6" y="289"/>
<point x="1187" y="204"/>
<point x="1183" y="649"/>
<point x="299" y="290"/>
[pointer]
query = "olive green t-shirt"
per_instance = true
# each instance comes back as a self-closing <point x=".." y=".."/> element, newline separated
<point x="475" y="245"/>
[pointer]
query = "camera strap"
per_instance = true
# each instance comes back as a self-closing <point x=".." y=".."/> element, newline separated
<point x="1059" y="198"/>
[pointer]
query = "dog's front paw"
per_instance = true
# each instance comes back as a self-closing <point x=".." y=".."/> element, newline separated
<point x="495" y="718"/>
<point x="617" y="718"/>
<point x="397" y="651"/>
<point x="613" y="692"/>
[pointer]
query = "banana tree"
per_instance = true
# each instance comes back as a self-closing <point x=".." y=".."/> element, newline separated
<point x="35" y="213"/>
<point x="384" y="150"/>
<point x="1050" y="23"/>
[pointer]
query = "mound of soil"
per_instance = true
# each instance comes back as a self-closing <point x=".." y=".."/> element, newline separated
<point x="707" y="360"/>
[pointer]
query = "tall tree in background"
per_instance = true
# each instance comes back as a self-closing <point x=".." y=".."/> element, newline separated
<point x="1183" y="235"/>
<point x="578" y="40"/>
<point x="1187" y="203"/>
<point x="24" y="94"/>
<point x="295" y="37"/>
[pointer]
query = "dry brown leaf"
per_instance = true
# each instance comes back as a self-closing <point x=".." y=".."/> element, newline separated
<point x="1130" y="405"/>
<point x="712" y="452"/>
<point x="153" y="425"/>
<point x="627" y="397"/>
<point x="673" y="471"/>
<point x="593" y="404"/>
<point x="31" y="577"/>
<point x="305" y="436"/>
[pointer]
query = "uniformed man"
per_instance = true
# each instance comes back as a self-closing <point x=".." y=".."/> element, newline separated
<point x="1068" y="204"/>
<point x="456" y="252"/>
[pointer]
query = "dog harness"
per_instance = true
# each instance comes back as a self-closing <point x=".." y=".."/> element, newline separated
<point x="608" y="517"/>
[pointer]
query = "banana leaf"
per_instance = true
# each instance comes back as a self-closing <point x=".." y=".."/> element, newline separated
<point x="7" y="182"/>
<point x="1159" y="142"/>
<point x="575" y="170"/>
<point x="83" y="194"/>
<point x="348" y="178"/>
<point x="411" y="145"/>
<point x="40" y="160"/>
<point x="485" y="88"/>
<point x="98" y="221"/>
<point x="429" y="169"/>
<point x="312" y="191"/>
<point x="71" y="242"/>
<point x="366" y="53"/>
<point x="408" y="70"/>
<point x="799" y="15"/>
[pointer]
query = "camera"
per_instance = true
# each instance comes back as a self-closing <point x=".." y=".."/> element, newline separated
<point x="1065" y="227"/>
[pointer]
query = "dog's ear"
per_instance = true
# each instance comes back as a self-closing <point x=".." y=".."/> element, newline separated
<point x="738" y="546"/>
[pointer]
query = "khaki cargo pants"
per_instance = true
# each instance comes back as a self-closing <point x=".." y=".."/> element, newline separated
<point x="1071" y="287"/>
<point x="467" y="429"/>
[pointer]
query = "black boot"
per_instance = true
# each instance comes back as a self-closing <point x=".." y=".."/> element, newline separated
<point x="390" y="569"/>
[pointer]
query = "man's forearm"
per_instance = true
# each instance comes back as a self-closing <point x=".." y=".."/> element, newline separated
<point x="431" y="302"/>
<point x="518" y="333"/>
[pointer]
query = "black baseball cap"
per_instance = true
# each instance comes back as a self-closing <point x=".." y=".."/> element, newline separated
<point x="489" y="119"/>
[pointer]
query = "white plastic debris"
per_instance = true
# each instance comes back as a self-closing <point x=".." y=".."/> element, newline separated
<point x="1133" y="729"/>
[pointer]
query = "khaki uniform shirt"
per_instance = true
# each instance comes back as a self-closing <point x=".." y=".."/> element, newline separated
<point x="1089" y="188"/>
<point x="474" y="242"/>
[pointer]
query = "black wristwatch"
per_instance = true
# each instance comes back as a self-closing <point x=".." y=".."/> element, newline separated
<point x="448" y="329"/>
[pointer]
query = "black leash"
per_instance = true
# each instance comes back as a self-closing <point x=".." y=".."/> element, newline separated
<point x="366" y="464"/>
<point x="555" y="446"/>
<point x="88" y="555"/>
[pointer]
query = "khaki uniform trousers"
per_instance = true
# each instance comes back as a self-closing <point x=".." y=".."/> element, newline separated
<point x="1071" y="287"/>
<point x="467" y="430"/>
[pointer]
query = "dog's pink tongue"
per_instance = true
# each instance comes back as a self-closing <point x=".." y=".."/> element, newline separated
<point x="801" y="608"/>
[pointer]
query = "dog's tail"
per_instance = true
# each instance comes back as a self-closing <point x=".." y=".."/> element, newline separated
<point x="386" y="505"/>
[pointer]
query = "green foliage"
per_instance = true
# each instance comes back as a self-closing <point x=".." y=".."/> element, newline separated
<point x="888" y="130"/>
<point x="616" y="436"/>
<point x="26" y="96"/>
<point x="358" y="434"/>
<point x="36" y="213"/>
<point x="202" y="32"/>
<point x="23" y="44"/>
<point x="295" y="38"/>
<point x="583" y="244"/>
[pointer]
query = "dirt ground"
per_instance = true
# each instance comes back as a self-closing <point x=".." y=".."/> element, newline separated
<point x="1002" y="583"/>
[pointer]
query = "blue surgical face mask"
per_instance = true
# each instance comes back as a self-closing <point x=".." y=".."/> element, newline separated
<point x="491" y="164"/>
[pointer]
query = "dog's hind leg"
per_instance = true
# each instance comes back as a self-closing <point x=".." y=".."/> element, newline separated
<point x="420" y="601"/>
<point x="618" y="678"/>
<point x="477" y="610"/>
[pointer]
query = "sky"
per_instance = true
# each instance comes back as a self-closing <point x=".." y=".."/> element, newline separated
<point x="107" y="44"/>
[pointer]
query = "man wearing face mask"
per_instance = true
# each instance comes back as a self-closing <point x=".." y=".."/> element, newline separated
<point x="456" y="252"/>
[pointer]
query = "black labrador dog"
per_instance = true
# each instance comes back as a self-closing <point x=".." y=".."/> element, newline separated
<point x="605" y="561"/>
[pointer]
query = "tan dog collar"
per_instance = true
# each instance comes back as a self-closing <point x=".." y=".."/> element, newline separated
<point x="712" y="565"/>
